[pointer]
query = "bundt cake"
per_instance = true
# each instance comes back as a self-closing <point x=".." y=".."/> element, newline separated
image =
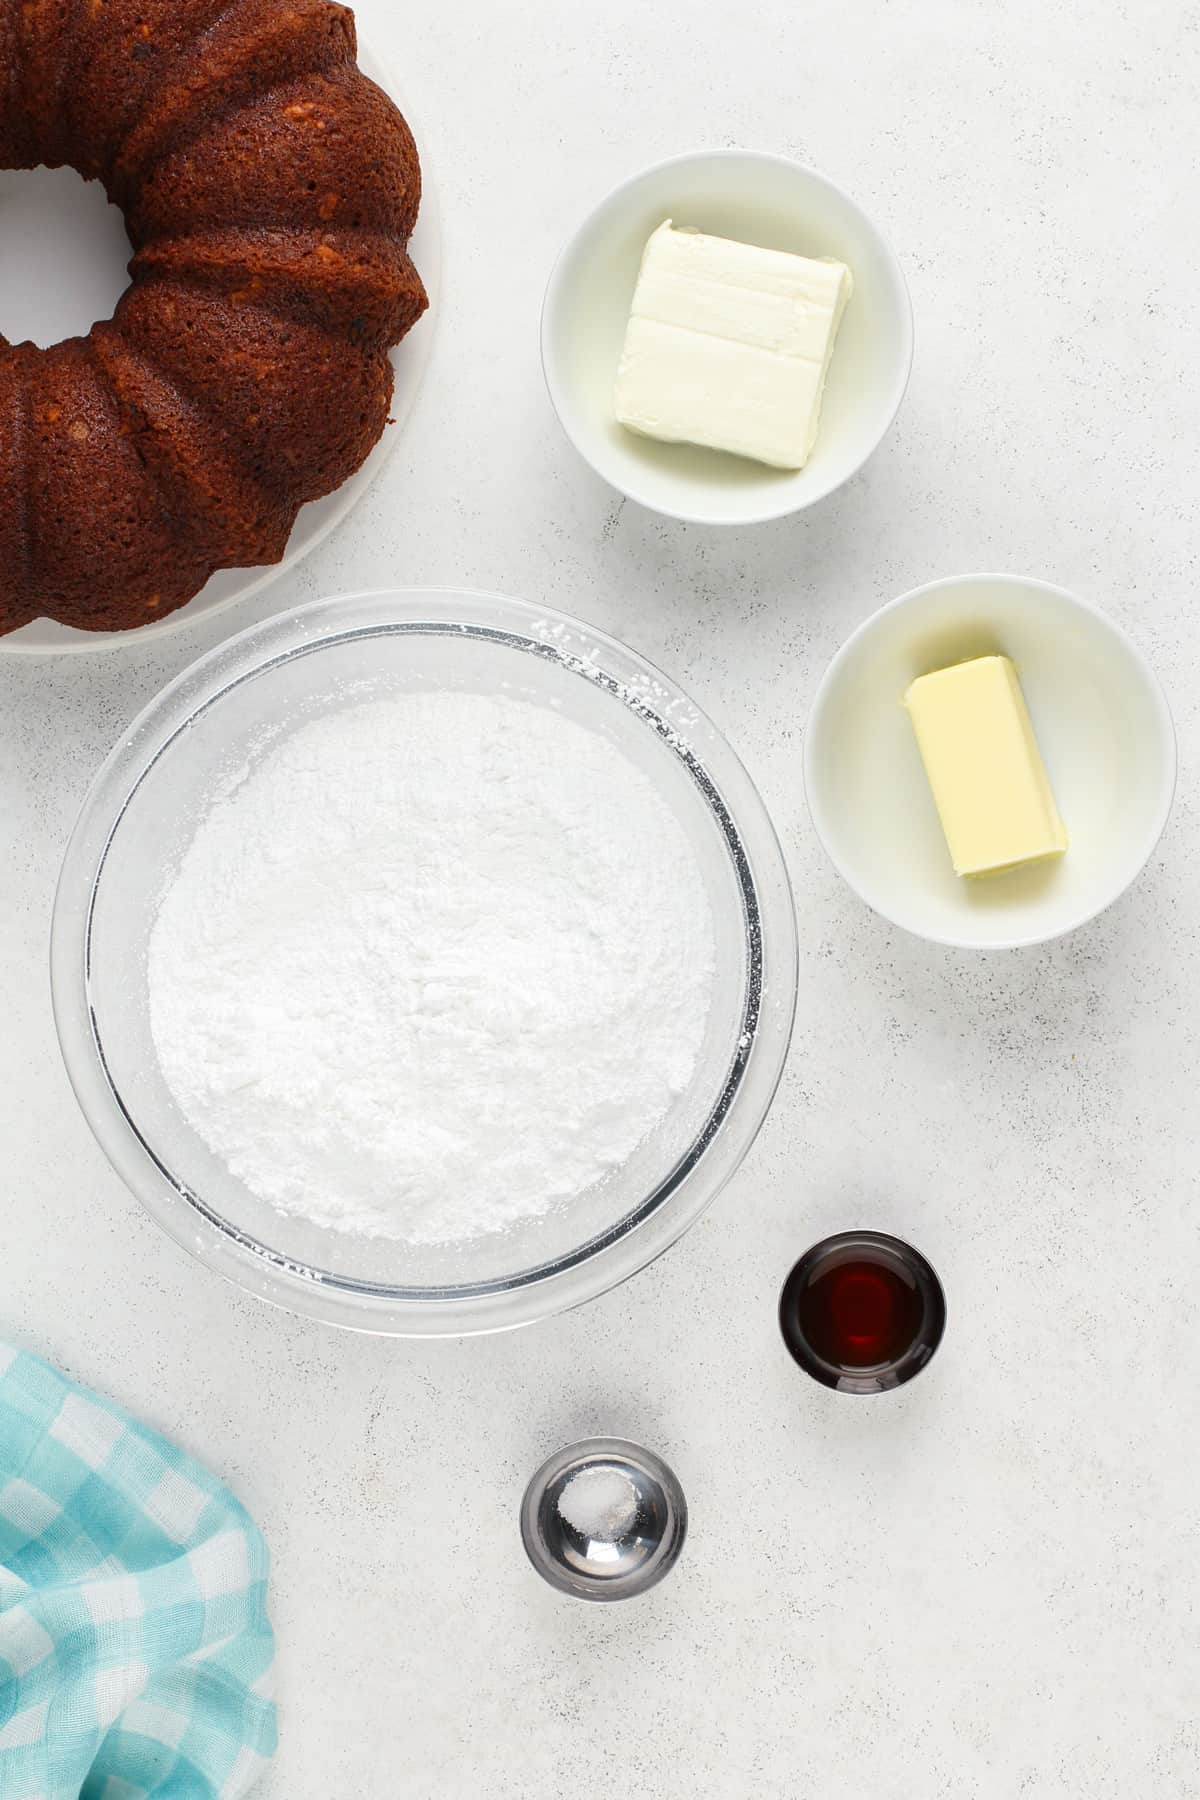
<point x="269" y="189"/>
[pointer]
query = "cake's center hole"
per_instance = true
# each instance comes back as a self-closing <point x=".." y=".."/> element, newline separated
<point x="64" y="255"/>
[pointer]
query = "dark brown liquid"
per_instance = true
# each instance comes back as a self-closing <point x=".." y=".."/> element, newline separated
<point x="859" y="1314"/>
<point x="862" y="1311"/>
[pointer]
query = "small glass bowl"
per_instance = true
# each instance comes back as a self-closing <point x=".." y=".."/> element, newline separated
<point x="217" y="718"/>
<point x="895" y="1265"/>
<point x="631" y="1555"/>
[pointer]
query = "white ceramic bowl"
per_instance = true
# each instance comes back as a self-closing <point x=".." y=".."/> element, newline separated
<point x="1102" y="722"/>
<point x="760" y="199"/>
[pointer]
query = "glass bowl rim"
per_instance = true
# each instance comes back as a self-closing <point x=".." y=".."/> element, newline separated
<point x="610" y="1256"/>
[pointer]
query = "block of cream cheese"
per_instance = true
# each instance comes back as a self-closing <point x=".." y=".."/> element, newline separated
<point x="988" y="779"/>
<point x="729" y="345"/>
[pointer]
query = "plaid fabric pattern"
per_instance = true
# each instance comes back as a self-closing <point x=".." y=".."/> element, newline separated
<point x="135" y="1651"/>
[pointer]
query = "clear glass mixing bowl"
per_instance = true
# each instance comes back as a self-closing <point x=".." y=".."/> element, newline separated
<point x="139" y="817"/>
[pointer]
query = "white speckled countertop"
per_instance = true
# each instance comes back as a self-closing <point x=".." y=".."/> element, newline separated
<point x="987" y="1585"/>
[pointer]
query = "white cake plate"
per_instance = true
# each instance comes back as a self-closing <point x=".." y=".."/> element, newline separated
<point x="91" y="252"/>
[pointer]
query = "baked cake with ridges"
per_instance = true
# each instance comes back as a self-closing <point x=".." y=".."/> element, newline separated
<point x="288" y="151"/>
<point x="269" y="190"/>
<point x="14" y="463"/>
<point x="119" y="54"/>
<point x="355" y="282"/>
<point x="221" y="512"/>
<point x="301" y="441"/>
<point x="43" y="27"/>
<point x="14" y="133"/>
<point x="250" y="49"/>
<point x="94" y="501"/>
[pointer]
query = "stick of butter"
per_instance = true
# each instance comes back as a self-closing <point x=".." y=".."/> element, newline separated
<point x="729" y="345"/>
<point x="981" y="756"/>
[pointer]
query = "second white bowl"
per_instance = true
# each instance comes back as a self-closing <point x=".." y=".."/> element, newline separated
<point x="759" y="199"/>
<point x="1102" y="723"/>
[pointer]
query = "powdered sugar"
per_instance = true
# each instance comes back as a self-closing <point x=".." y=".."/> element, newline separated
<point x="439" y="963"/>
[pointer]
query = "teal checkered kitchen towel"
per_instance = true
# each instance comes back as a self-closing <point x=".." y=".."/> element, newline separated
<point x="135" y="1650"/>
